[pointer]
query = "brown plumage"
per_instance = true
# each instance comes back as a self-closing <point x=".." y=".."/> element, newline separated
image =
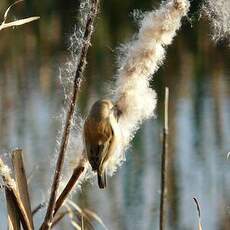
<point x="100" y="136"/>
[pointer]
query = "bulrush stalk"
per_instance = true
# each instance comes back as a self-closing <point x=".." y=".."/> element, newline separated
<point x="70" y="114"/>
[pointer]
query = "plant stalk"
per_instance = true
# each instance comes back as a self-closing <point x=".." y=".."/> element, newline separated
<point x="69" y="118"/>
<point x="164" y="162"/>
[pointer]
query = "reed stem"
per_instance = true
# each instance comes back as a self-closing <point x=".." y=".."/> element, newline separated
<point x="69" y="118"/>
<point x="164" y="162"/>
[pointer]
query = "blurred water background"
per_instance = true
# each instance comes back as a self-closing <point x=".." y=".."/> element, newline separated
<point x="197" y="72"/>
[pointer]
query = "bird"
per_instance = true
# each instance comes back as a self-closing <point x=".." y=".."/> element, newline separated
<point x="101" y="136"/>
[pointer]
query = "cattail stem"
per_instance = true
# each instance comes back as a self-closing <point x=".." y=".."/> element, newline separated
<point x="69" y="118"/>
<point x="77" y="172"/>
<point x="164" y="162"/>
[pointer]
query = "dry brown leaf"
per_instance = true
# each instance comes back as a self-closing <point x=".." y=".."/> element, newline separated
<point x="18" y="22"/>
<point x="8" y="9"/>
<point x="198" y="212"/>
<point x="88" y="214"/>
<point x="94" y="216"/>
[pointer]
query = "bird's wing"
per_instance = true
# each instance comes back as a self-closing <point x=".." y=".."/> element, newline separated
<point x="111" y="145"/>
<point x="97" y="141"/>
<point x="105" y="141"/>
<point x="90" y="146"/>
<point x="108" y="153"/>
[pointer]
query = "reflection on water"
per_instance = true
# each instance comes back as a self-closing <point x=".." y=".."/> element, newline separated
<point x="197" y="74"/>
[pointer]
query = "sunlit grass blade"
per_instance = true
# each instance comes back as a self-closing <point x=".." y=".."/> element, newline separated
<point x="199" y="213"/>
<point x="92" y="215"/>
<point x="8" y="9"/>
<point x="18" y="22"/>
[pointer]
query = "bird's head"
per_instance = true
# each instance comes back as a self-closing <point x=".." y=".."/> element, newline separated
<point x="101" y="109"/>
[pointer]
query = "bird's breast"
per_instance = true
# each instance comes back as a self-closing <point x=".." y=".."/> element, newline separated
<point x="97" y="132"/>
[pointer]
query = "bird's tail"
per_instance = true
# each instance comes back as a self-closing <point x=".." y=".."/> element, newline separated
<point x="101" y="177"/>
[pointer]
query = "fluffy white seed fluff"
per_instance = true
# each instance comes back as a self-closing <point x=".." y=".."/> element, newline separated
<point x="218" y="12"/>
<point x="5" y="174"/>
<point x="143" y="57"/>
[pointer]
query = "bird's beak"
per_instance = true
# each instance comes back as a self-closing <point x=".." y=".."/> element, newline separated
<point x="117" y="112"/>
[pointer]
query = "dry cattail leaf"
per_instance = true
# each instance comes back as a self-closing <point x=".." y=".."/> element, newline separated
<point x="75" y="225"/>
<point x="8" y="9"/>
<point x="88" y="215"/>
<point x="9" y="182"/>
<point x="19" y="22"/>
<point x="228" y="155"/>
<point x="199" y="213"/>
<point x="92" y="215"/>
